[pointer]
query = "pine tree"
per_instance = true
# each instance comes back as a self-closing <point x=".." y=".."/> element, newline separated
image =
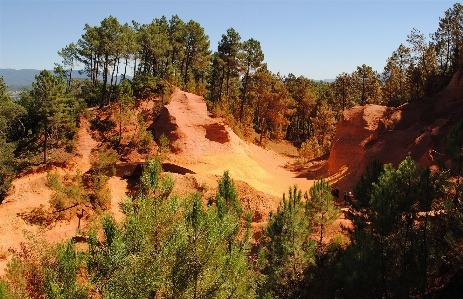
<point x="11" y="128"/>
<point x="212" y="260"/>
<point x="453" y="147"/>
<point x="366" y="85"/>
<point x="251" y="59"/>
<point x="49" y="104"/>
<point x="322" y="211"/>
<point x="126" y="102"/>
<point x="271" y="101"/>
<point x="286" y="249"/>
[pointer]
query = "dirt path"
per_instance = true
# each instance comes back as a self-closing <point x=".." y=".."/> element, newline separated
<point x="85" y="144"/>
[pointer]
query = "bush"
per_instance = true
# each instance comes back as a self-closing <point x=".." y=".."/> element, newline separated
<point x="164" y="145"/>
<point x="43" y="270"/>
<point x="91" y="93"/>
<point x="106" y="158"/>
<point x="145" y="137"/>
<point x="102" y="125"/>
<point x="69" y="192"/>
<point x="144" y="86"/>
<point x="101" y="197"/>
<point x="310" y="149"/>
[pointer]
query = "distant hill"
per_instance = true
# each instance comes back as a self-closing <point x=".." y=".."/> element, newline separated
<point x="17" y="79"/>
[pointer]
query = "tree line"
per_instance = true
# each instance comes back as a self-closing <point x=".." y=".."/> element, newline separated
<point x="237" y="83"/>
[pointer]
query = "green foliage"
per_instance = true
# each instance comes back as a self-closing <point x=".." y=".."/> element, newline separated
<point x="70" y="192"/>
<point x="5" y="291"/>
<point x="7" y="167"/>
<point x="51" y="112"/>
<point x="360" y="207"/>
<point x="227" y="197"/>
<point x="90" y="92"/>
<point x="453" y="147"/>
<point x="106" y="158"/>
<point x="310" y="149"/>
<point x="61" y="280"/>
<point x="164" y="145"/>
<point x="364" y="186"/>
<point x="322" y="210"/>
<point x="366" y="86"/>
<point x="150" y="177"/>
<point x="101" y="196"/>
<point x="11" y="129"/>
<point x="167" y="248"/>
<point x="145" y="137"/>
<point x="271" y="100"/>
<point x="286" y="249"/>
<point x="400" y="234"/>
<point x="447" y="40"/>
<point x="103" y="125"/>
<point x="211" y="260"/>
<point x="126" y="102"/>
<point x="43" y="270"/>
<point x="145" y="86"/>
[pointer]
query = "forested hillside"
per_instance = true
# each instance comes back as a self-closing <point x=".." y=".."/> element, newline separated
<point x="402" y="232"/>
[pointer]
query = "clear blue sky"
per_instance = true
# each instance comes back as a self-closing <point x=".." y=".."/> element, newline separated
<point x="316" y="39"/>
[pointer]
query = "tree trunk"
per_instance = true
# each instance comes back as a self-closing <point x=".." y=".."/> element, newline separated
<point x="111" y="85"/>
<point x="185" y="78"/>
<point x="262" y="132"/>
<point x="117" y="73"/>
<point x="45" y="143"/>
<point x="221" y="83"/>
<point x="228" y="81"/>
<point x="105" y="82"/>
<point x="243" y="101"/>
<point x="125" y="67"/>
<point x="134" y="66"/>
<point x="70" y="77"/>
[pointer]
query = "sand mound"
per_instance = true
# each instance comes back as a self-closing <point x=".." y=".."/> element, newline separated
<point x="185" y="121"/>
<point x="206" y="146"/>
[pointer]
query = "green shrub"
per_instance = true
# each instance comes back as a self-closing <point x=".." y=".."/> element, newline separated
<point x="103" y="125"/>
<point x="106" y="158"/>
<point x="43" y="270"/>
<point x="101" y="196"/>
<point x="311" y="149"/>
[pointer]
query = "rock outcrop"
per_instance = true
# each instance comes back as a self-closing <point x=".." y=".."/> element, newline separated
<point x="358" y="126"/>
<point x="185" y="121"/>
<point x="389" y="134"/>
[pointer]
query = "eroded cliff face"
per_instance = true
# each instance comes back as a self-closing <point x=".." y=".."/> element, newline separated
<point x="391" y="134"/>
<point x="358" y="126"/>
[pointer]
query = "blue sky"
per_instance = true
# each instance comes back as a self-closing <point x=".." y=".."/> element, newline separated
<point x="316" y="39"/>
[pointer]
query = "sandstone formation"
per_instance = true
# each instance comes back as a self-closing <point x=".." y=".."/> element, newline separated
<point x="389" y="134"/>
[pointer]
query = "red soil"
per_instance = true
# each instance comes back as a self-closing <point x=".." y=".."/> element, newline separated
<point x="414" y="129"/>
